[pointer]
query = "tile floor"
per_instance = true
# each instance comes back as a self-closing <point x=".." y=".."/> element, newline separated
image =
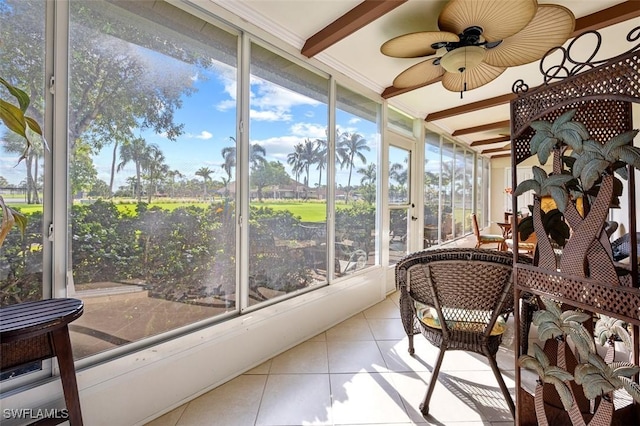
<point x="358" y="373"/>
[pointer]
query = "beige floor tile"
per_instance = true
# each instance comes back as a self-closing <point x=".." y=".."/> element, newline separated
<point x="261" y="369"/>
<point x="384" y="309"/>
<point x="296" y="399"/>
<point x="448" y="404"/>
<point x="307" y="357"/>
<point x="354" y="328"/>
<point x="387" y="329"/>
<point x="355" y="357"/>
<point x="169" y="419"/>
<point x="366" y="398"/>
<point x="482" y="387"/>
<point x="397" y="358"/>
<point x="234" y="403"/>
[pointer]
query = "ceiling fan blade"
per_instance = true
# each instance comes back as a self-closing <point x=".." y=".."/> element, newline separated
<point x="421" y="73"/>
<point x="474" y="78"/>
<point x="498" y="19"/>
<point x="416" y="45"/>
<point x="552" y="26"/>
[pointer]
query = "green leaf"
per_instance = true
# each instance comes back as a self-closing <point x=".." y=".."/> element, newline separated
<point x="576" y="316"/>
<point x="563" y="391"/>
<point x="583" y="159"/>
<point x="627" y="154"/>
<point x="546" y="148"/>
<point x="592" y="171"/>
<point x="549" y="330"/>
<point x="557" y="180"/>
<point x="624" y="369"/>
<point x="558" y="373"/>
<point x="562" y="119"/>
<point x="593" y="146"/>
<point x="530" y="363"/>
<point x="20" y="95"/>
<point x="541" y="126"/>
<point x="632" y="387"/>
<point x="536" y="140"/>
<point x="539" y="174"/>
<point x="573" y="134"/>
<point x="527" y="185"/>
<point x="560" y="196"/>
<point x="12" y="117"/>
<point x="623" y="139"/>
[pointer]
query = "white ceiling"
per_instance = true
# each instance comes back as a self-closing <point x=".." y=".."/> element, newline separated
<point x="359" y="57"/>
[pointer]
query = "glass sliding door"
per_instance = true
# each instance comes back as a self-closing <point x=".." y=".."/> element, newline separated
<point x="399" y="202"/>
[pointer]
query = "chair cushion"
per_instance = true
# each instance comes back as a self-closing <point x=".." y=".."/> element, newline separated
<point x="429" y="316"/>
<point x="490" y="238"/>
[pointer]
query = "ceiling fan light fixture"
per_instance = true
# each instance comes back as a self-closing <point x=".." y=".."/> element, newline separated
<point x="462" y="59"/>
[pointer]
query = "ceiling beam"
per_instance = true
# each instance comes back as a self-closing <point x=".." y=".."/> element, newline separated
<point x="482" y="128"/>
<point x="501" y="156"/>
<point x="392" y="91"/>
<point x="492" y="150"/>
<point x="604" y="18"/>
<point x="358" y="17"/>
<point x="595" y="21"/>
<point x="491" y="141"/>
<point x="474" y="106"/>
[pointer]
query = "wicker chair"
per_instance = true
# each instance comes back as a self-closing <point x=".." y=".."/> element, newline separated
<point x="457" y="298"/>
<point x="482" y="239"/>
<point x="621" y="247"/>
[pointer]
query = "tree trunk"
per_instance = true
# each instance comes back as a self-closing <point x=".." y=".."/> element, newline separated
<point x="583" y="255"/>
<point x="546" y="255"/>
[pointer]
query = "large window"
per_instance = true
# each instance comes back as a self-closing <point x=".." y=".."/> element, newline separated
<point x="287" y="158"/>
<point x="356" y="153"/>
<point x="23" y="177"/>
<point x="155" y="176"/>
<point x="151" y="171"/>
<point x="450" y="191"/>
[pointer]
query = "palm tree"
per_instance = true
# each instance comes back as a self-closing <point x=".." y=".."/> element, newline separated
<point x="308" y="157"/>
<point x="205" y="173"/>
<point x="138" y="152"/>
<point x="156" y="168"/>
<point x="173" y="174"/>
<point x="294" y="159"/>
<point x="368" y="174"/>
<point x="348" y="149"/>
<point x="321" y="160"/>
<point x="229" y="153"/>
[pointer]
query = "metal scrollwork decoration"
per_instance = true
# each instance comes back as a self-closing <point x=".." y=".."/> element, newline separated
<point x="568" y="64"/>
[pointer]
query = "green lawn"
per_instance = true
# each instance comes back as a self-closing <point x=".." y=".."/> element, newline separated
<point x="308" y="211"/>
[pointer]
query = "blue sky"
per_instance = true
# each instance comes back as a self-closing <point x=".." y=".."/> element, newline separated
<point x="279" y="119"/>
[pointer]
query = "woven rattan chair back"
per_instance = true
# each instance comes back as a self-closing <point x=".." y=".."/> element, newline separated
<point x="468" y="290"/>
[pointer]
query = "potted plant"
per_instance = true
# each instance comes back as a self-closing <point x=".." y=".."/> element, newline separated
<point x="15" y="119"/>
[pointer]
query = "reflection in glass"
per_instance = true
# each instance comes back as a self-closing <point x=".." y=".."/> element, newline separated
<point x="288" y="210"/>
<point x="431" y="189"/>
<point x="356" y="151"/>
<point x="153" y="201"/>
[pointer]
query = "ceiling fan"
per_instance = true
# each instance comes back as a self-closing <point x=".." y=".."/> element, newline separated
<point x="478" y="40"/>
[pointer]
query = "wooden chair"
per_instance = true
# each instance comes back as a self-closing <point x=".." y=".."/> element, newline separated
<point x="457" y="298"/>
<point x="482" y="239"/>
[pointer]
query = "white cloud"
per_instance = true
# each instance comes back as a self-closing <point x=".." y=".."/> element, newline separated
<point x="273" y="115"/>
<point x="309" y="130"/>
<point x="204" y="135"/>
